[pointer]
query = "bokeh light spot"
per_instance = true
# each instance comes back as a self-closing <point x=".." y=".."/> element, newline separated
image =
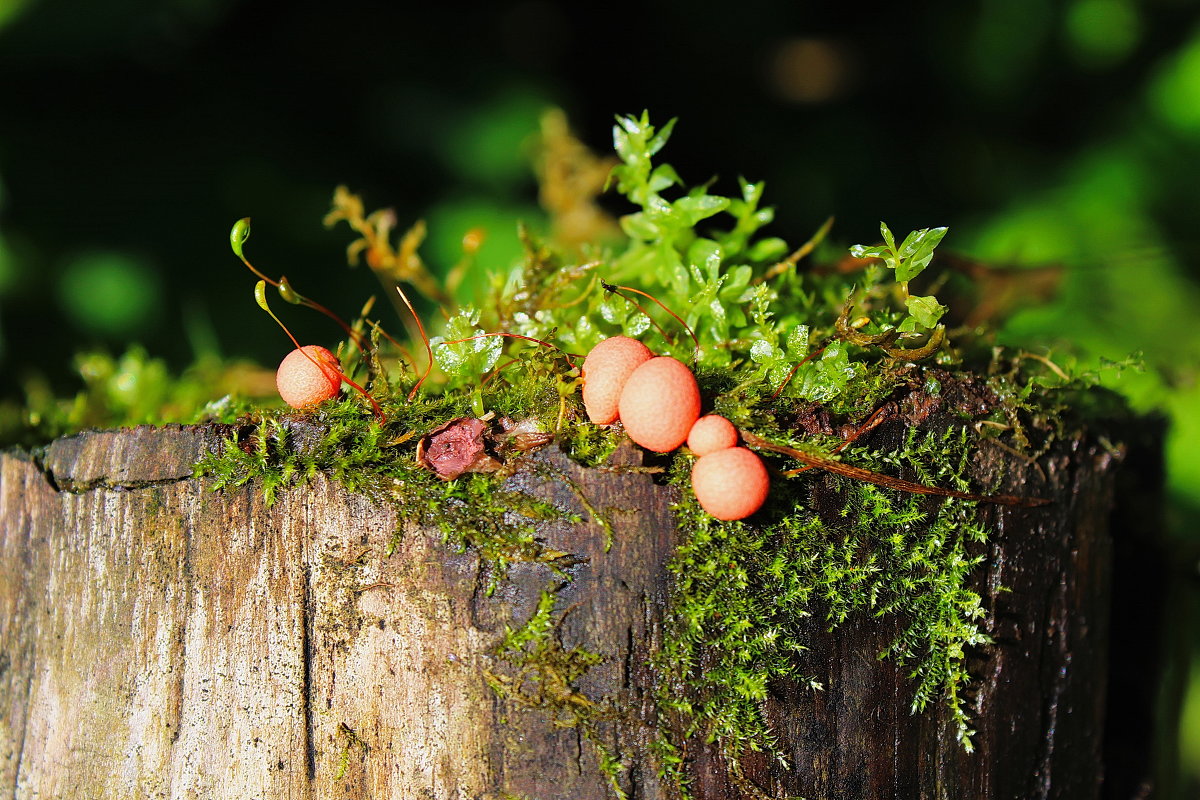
<point x="809" y="71"/>
<point x="499" y="250"/>
<point x="1008" y="40"/>
<point x="8" y="267"/>
<point x="1102" y="32"/>
<point x="489" y="146"/>
<point x="109" y="294"/>
<point x="1175" y="91"/>
<point x="10" y="10"/>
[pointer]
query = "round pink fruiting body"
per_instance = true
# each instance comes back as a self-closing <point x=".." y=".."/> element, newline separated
<point x="731" y="483"/>
<point x="659" y="404"/>
<point x="303" y="384"/>
<point x="711" y="433"/>
<point x="605" y="370"/>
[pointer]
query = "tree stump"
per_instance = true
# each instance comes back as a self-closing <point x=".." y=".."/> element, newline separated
<point x="159" y="640"/>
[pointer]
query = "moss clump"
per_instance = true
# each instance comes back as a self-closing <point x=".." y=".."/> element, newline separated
<point x="474" y="512"/>
<point x="744" y="592"/>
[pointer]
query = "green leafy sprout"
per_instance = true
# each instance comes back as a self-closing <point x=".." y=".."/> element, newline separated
<point x="907" y="262"/>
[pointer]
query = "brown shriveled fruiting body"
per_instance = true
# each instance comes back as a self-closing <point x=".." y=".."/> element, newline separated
<point x="605" y="371"/>
<point x="711" y="433"/>
<point x="731" y="483"/>
<point x="303" y="384"/>
<point x="461" y="445"/>
<point x="659" y="404"/>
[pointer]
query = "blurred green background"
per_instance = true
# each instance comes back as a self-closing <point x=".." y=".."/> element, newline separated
<point x="133" y="134"/>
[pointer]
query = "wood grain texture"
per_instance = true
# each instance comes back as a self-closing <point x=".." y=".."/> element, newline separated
<point x="159" y="640"/>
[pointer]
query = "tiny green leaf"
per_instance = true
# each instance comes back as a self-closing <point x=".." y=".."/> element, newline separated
<point x="926" y="310"/>
<point x="657" y="208"/>
<point x="239" y="235"/>
<point x="639" y="226"/>
<point x="631" y="124"/>
<point x="862" y="251"/>
<point x="737" y="279"/>
<point x="656" y="143"/>
<point x="824" y="378"/>
<point x="797" y="341"/>
<point x="751" y="192"/>
<point x="663" y="176"/>
<point x="917" y="251"/>
<point x="887" y="236"/>
<point x="614" y="309"/>
<point x="771" y="249"/>
<point x="763" y="352"/>
<point x="696" y="208"/>
<point x="621" y="144"/>
<point x="707" y="254"/>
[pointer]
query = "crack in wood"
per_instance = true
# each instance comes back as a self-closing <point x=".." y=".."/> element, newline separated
<point x="187" y="530"/>
<point x="307" y="656"/>
<point x="24" y="732"/>
<point x="64" y="484"/>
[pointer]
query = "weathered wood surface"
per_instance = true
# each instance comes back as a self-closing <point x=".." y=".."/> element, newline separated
<point x="158" y="640"/>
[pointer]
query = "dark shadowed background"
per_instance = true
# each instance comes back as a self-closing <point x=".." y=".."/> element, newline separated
<point x="133" y="134"/>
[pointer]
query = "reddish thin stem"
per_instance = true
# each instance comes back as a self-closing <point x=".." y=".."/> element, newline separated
<point x="395" y="343"/>
<point x="803" y="361"/>
<point x="313" y="304"/>
<point x="374" y="403"/>
<point x="611" y="288"/>
<point x="661" y="331"/>
<point x="496" y="372"/>
<point x="887" y="481"/>
<point x="877" y="418"/>
<point x="424" y="338"/>
<point x="254" y="269"/>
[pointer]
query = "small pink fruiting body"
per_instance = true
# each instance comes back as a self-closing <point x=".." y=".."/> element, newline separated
<point x="304" y="384"/>
<point x="731" y="483"/>
<point x="659" y="404"/>
<point x="605" y="371"/>
<point x="711" y="433"/>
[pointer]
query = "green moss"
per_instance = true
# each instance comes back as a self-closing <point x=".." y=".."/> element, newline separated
<point x="123" y="391"/>
<point x="473" y="512"/>
<point x="350" y="741"/>
<point x="538" y="673"/>
<point x="744" y="593"/>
